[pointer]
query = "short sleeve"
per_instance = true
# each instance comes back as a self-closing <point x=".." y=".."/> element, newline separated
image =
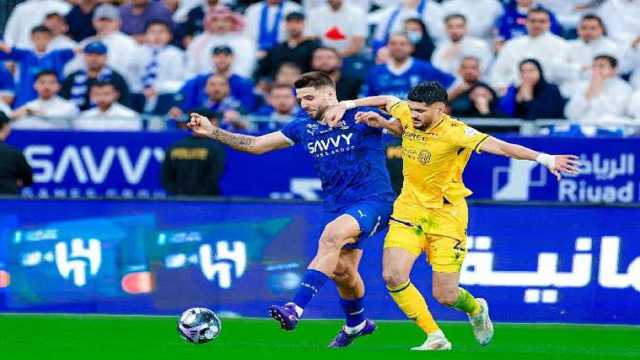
<point x="402" y="112"/>
<point x="465" y="136"/>
<point x="292" y="131"/>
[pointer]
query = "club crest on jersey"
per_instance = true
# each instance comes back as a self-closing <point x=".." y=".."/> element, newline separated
<point x="424" y="157"/>
<point x="312" y="128"/>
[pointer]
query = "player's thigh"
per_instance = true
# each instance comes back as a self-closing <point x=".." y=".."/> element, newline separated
<point x="445" y="253"/>
<point x="405" y="237"/>
<point x="371" y="216"/>
<point x="344" y="229"/>
<point x="396" y="265"/>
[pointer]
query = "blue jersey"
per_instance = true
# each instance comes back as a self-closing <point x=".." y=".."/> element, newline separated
<point x="349" y="159"/>
<point x="381" y="81"/>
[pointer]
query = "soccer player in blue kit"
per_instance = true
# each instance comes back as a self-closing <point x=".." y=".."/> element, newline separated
<point x="350" y="161"/>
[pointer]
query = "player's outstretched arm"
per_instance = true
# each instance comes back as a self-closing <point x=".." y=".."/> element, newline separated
<point x="334" y="114"/>
<point x="251" y="144"/>
<point x="557" y="164"/>
<point x="375" y="120"/>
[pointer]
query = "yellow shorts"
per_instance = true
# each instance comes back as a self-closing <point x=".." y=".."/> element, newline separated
<point x="442" y="238"/>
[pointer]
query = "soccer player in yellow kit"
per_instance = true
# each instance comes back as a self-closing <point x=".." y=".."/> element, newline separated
<point x="430" y="215"/>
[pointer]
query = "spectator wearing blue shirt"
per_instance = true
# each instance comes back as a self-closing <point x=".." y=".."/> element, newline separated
<point x="32" y="62"/>
<point x="79" y="19"/>
<point x="513" y="21"/>
<point x="281" y="108"/>
<point x="192" y="94"/>
<point x="402" y="72"/>
<point x="7" y="85"/>
<point x="534" y="98"/>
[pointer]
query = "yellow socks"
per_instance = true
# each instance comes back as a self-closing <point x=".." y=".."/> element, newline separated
<point x="412" y="303"/>
<point x="467" y="303"/>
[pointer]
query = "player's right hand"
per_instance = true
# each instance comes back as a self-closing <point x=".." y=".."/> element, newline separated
<point x="370" y="118"/>
<point x="334" y="114"/>
<point x="200" y="124"/>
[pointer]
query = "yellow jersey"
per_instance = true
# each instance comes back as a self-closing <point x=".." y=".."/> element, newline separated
<point x="433" y="161"/>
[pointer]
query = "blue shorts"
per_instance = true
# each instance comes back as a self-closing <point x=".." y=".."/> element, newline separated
<point x="371" y="214"/>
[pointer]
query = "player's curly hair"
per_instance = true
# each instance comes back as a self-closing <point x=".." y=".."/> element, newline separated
<point x="428" y="92"/>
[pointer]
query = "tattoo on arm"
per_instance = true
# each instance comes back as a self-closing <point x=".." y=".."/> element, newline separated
<point x="236" y="141"/>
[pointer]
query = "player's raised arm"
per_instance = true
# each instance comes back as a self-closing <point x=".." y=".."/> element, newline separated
<point x="557" y="164"/>
<point x="251" y="144"/>
<point x="334" y="114"/>
<point x="373" y="119"/>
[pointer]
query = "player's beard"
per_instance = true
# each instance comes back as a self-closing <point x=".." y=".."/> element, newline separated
<point x="320" y="112"/>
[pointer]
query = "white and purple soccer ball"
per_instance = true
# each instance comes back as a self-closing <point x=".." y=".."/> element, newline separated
<point x="199" y="325"/>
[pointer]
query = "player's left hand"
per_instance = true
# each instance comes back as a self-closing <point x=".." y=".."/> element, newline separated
<point x="565" y="164"/>
<point x="333" y="114"/>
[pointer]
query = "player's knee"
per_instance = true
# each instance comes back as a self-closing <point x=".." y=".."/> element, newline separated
<point x="445" y="296"/>
<point x="393" y="277"/>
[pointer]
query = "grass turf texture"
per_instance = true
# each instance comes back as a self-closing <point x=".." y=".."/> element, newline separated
<point x="87" y="337"/>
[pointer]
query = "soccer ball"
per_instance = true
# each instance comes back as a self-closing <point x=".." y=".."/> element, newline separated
<point x="199" y="325"/>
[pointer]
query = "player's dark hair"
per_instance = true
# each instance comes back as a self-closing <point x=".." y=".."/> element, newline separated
<point x="40" y="29"/>
<point x="314" y="79"/>
<point x="160" y="22"/>
<point x="610" y="59"/>
<point x="47" y="73"/>
<point x="596" y="18"/>
<point x="539" y="10"/>
<point x="455" y="16"/>
<point x="428" y="92"/>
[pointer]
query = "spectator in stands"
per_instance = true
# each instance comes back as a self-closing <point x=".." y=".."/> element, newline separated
<point x="27" y="15"/>
<point x="621" y="19"/>
<point x="634" y="106"/>
<point x="79" y="19"/>
<point x="481" y="15"/>
<point x="194" y="165"/>
<point x="221" y="28"/>
<point x="328" y="61"/>
<point x="402" y="72"/>
<point x="450" y="52"/>
<point x="136" y="14"/>
<point x="7" y="85"/>
<point x="58" y="26"/>
<point x="591" y="42"/>
<point x="30" y="62"/>
<point x="417" y="32"/>
<point x="219" y="100"/>
<point x="362" y="5"/>
<point x="194" y="23"/>
<point x="76" y="85"/>
<point x="49" y="110"/>
<point x="339" y="25"/>
<point x="604" y="98"/>
<point x="282" y="107"/>
<point x="513" y="23"/>
<point x="390" y="19"/>
<point x="193" y="93"/>
<point x="569" y="12"/>
<point x="265" y="23"/>
<point x="483" y="103"/>
<point x="534" y="98"/>
<point x="159" y="72"/>
<point x="15" y="172"/>
<point x="122" y="47"/>
<point x="550" y="50"/>
<point x="297" y="48"/>
<point x="107" y="114"/>
<point x="468" y="75"/>
<point x="288" y="73"/>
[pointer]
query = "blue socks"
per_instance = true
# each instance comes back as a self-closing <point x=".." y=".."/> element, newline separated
<point x="312" y="282"/>
<point x="353" y="311"/>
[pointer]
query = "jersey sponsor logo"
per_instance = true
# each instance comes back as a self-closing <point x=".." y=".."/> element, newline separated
<point x="330" y="143"/>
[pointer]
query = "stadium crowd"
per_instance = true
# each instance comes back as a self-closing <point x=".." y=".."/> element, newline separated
<point x="103" y="63"/>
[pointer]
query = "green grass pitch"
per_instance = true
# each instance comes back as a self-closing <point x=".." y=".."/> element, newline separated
<point x="86" y="337"/>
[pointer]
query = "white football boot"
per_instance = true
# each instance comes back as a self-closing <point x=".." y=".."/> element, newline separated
<point x="435" y="342"/>
<point x="481" y="324"/>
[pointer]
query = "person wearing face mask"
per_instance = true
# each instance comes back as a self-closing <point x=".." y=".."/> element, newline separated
<point x="419" y="36"/>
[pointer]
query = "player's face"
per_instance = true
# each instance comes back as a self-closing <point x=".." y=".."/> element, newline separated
<point x="456" y="29"/>
<point x="157" y="35"/>
<point x="47" y="86"/>
<point x="400" y="48"/>
<point x="423" y="115"/>
<point x="590" y="30"/>
<point x="314" y="101"/>
<point x="537" y="23"/>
